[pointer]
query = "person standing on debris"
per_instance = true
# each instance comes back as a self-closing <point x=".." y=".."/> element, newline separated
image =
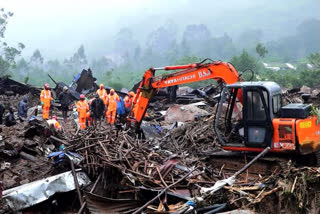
<point x="82" y="108"/>
<point x="23" y="108"/>
<point x="97" y="109"/>
<point x="54" y="122"/>
<point x="65" y="100"/>
<point x="1" y="112"/>
<point x="172" y="90"/>
<point x="121" y="110"/>
<point x="9" y="118"/>
<point x="89" y="114"/>
<point x="112" y="106"/>
<point x="128" y="101"/>
<point x="45" y="99"/>
<point x="103" y="94"/>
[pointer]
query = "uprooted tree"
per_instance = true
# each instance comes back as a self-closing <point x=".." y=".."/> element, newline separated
<point x="7" y="53"/>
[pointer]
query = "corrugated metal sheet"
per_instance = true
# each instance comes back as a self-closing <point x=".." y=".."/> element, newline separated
<point x="97" y="204"/>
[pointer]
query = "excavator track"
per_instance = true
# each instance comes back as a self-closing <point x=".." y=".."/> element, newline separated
<point x="233" y="161"/>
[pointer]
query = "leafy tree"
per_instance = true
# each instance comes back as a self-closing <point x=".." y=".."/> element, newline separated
<point x="187" y="60"/>
<point x="249" y="38"/>
<point x="7" y="54"/>
<point x="314" y="60"/>
<point x="261" y="50"/>
<point x="195" y="39"/>
<point x="26" y="80"/>
<point x="36" y="57"/>
<point x="219" y="48"/>
<point x="244" y="62"/>
<point x="125" y="43"/>
<point x="80" y="56"/>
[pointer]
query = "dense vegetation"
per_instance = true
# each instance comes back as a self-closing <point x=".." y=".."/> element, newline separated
<point x="129" y="59"/>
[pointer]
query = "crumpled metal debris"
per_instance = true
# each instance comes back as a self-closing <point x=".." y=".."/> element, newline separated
<point x="35" y="192"/>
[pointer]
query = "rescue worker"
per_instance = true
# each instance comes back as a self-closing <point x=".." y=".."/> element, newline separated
<point x="172" y="90"/>
<point x="23" y="108"/>
<point x="9" y="118"/>
<point x="54" y="122"/>
<point x="97" y="109"/>
<point x="103" y="94"/>
<point x="82" y="108"/>
<point x="89" y="114"/>
<point x="45" y="99"/>
<point x="128" y="101"/>
<point x="121" y="110"/>
<point x="89" y="118"/>
<point x="112" y="106"/>
<point x="65" y="100"/>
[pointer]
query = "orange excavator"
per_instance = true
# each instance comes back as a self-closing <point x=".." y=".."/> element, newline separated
<point x="263" y="121"/>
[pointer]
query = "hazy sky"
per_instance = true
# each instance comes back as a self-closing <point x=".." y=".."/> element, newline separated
<point x="59" y="27"/>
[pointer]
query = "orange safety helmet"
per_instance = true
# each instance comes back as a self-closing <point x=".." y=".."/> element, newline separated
<point x="46" y="86"/>
<point x="112" y="91"/>
<point x="101" y="86"/>
<point x="82" y="96"/>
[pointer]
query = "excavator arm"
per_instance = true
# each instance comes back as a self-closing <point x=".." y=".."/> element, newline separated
<point x="218" y="70"/>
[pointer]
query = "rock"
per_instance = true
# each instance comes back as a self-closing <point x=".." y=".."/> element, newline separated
<point x="25" y="181"/>
<point x="315" y="92"/>
<point x="184" y="90"/>
<point x="10" y="181"/>
<point x="305" y="90"/>
<point x="183" y="113"/>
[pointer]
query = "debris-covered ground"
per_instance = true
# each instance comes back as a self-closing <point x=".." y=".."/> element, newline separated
<point x="167" y="169"/>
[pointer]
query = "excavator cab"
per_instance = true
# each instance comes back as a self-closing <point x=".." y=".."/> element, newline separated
<point x="248" y="124"/>
<point x="258" y="120"/>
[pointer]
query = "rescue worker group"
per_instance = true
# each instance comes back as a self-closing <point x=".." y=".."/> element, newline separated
<point x="90" y="112"/>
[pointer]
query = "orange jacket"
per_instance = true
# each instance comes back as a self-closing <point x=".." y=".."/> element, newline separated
<point x="55" y="123"/>
<point x="45" y="97"/>
<point x="103" y="94"/>
<point x="128" y="101"/>
<point x="82" y="108"/>
<point x="112" y="102"/>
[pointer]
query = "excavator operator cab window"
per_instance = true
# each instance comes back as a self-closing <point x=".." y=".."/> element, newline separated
<point x="255" y="110"/>
<point x="256" y="116"/>
<point x="276" y="104"/>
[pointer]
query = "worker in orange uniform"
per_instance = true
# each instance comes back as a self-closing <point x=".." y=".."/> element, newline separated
<point x="112" y="106"/>
<point x="54" y="122"/>
<point x="103" y="94"/>
<point x="89" y="118"/>
<point x="82" y="108"/>
<point x="129" y="99"/>
<point x="45" y="98"/>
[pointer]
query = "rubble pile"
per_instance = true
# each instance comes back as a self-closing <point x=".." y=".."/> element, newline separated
<point x="194" y="138"/>
<point x="23" y="151"/>
<point x="291" y="190"/>
<point x="14" y="99"/>
<point x="168" y="168"/>
<point x="131" y="168"/>
<point x="295" y="95"/>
